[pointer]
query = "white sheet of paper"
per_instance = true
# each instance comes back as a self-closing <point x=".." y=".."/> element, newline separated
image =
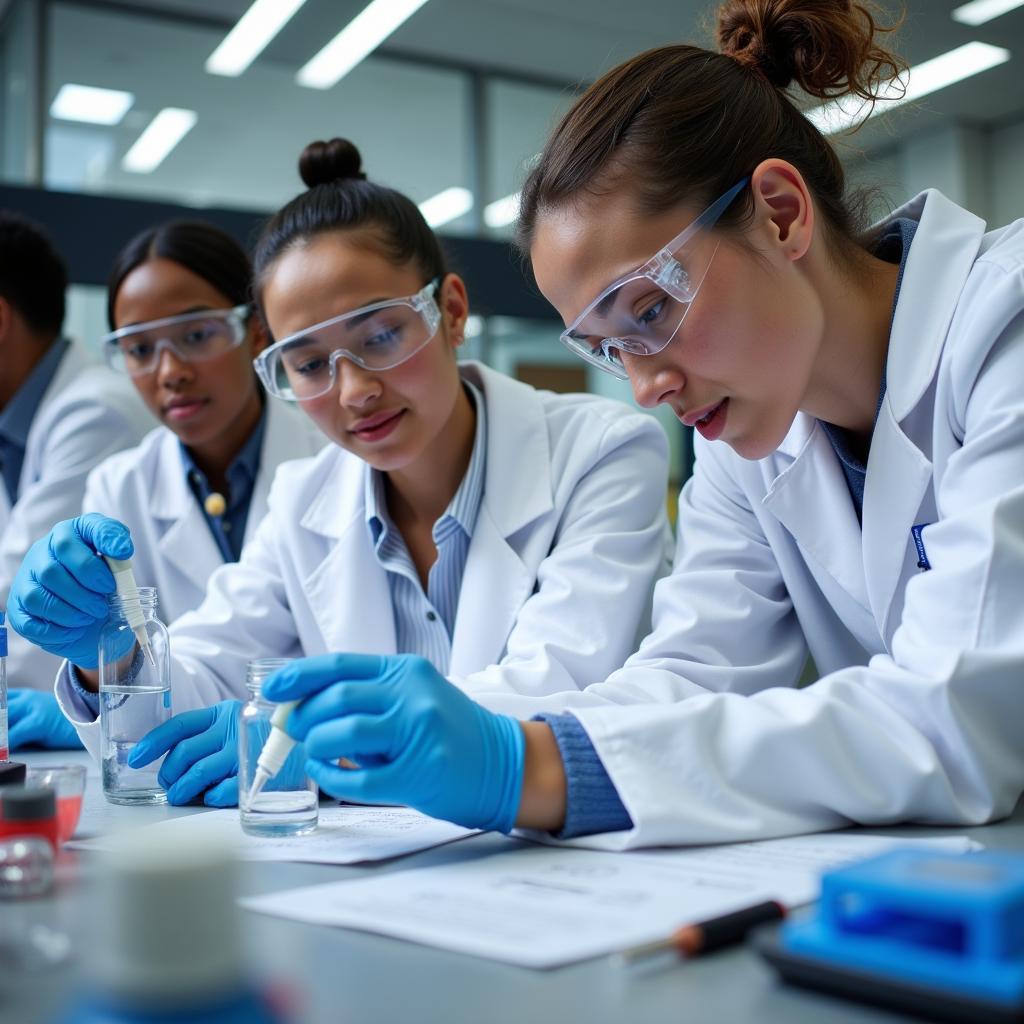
<point x="542" y="906"/>
<point x="344" y="835"/>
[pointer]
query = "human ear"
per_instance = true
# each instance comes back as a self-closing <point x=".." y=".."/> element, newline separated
<point x="454" y="305"/>
<point x="258" y="337"/>
<point x="782" y="202"/>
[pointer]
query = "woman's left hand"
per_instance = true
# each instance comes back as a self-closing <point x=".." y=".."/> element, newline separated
<point x="418" y="740"/>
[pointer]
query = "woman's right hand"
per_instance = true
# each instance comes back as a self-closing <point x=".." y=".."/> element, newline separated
<point x="58" y="599"/>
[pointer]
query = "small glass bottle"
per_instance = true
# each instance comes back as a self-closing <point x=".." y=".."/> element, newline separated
<point x="135" y="697"/>
<point x="167" y="938"/>
<point x="288" y="805"/>
<point x="29" y="811"/>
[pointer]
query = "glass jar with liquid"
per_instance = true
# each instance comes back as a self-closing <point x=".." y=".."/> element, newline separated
<point x="135" y="697"/>
<point x="288" y="804"/>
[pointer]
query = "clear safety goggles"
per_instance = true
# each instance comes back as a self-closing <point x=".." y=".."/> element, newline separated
<point x="377" y="337"/>
<point x="642" y="312"/>
<point x="192" y="337"/>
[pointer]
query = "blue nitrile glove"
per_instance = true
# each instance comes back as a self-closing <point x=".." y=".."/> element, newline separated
<point x="202" y="755"/>
<point x="58" y="599"/>
<point x="36" y="720"/>
<point x="418" y="739"/>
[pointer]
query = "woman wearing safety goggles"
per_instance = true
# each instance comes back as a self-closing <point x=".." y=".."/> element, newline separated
<point x="196" y="488"/>
<point x="858" y="495"/>
<point x="505" y="537"/>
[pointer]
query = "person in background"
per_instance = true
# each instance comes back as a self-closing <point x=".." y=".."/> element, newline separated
<point x="508" y="537"/>
<point x="858" y="493"/>
<point x="184" y="333"/>
<point x="60" y="415"/>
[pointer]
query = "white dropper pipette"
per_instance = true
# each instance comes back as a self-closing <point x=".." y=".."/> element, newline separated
<point x="124" y="580"/>
<point x="275" y="751"/>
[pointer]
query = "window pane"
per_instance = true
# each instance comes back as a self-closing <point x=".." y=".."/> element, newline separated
<point x="244" y="147"/>
<point x="519" y="120"/>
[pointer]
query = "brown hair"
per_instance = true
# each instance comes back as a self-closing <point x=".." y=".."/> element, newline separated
<point x="683" y="122"/>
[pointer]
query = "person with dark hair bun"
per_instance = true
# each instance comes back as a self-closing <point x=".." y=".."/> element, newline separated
<point x="196" y="488"/>
<point x="60" y="415"/>
<point x="503" y="538"/>
<point x="858" y="494"/>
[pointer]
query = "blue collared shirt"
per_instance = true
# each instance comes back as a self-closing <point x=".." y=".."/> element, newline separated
<point x="424" y="622"/>
<point x="229" y="529"/>
<point x="16" y="418"/>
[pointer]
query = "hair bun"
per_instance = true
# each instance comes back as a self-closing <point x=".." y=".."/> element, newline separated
<point x="826" y="46"/>
<point x="324" y="162"/>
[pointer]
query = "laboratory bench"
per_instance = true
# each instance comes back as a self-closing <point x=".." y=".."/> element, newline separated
<point x="337" y="975"/>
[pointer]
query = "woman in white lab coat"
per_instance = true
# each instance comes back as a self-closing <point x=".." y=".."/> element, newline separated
<point x="508" y="536"/>
<point x="859" y="490"/>
<point x="183" y="332"/>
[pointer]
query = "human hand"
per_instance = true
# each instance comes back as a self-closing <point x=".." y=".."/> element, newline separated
<point x="58" y="598"/>
<point x="35" y="718"/>
<point x="202" y="755"/>
<point x="418" y="739"/>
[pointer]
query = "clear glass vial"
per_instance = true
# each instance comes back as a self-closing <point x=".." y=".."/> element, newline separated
<point x="135" y="697"/>
<point x="288" y="805"/>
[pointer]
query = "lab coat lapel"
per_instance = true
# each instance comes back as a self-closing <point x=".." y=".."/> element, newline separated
<point x="517" y="490"/>
<point x="897" y="481"/>
<point x="186" y="543"/>
<point x="495" y="586"/>
<point x="826" y="529"/>
<point x="899" y="471"/>
<point x="348" y="590"/>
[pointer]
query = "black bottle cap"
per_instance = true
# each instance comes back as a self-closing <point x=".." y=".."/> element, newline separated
<point x="12" y="773"/>
<point x="28" y="803"/>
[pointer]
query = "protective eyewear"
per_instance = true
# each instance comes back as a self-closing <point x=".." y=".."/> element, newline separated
<point x="642" y="312"/>
<point x="377" y="337"/>
<point x="192" y="337"/>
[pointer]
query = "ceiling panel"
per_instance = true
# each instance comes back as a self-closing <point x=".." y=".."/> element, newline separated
<point x="411" y="121"/>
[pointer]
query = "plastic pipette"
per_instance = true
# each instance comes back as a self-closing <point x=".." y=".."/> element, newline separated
<point x="124" y="580"/>
<point x="275" y="751"/>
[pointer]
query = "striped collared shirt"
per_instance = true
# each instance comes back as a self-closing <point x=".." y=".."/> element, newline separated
<point x="425" y="622"/>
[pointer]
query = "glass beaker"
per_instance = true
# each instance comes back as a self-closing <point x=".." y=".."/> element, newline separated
<point x="288" y="805"/>
<point x="135" y="697"/>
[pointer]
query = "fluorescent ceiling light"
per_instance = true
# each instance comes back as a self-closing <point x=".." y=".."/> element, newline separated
<point x="446" y="206"/>
<point x="977" y="12"/>
<point x="250" y="36"/>
<point x="922" y="79"/>
<point x="502" y="211"/>
<point x="87" y="103"/>
<point x="363" y="34"/>
<point x="160" y="136"/>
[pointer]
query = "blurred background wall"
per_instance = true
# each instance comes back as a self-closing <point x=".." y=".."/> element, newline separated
<point x="450" y="107"/>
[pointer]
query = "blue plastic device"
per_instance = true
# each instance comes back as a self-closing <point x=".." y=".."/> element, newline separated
<point x="929" y="932"/>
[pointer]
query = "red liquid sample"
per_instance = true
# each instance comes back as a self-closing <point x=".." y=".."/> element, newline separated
<point x="69" y="809"/>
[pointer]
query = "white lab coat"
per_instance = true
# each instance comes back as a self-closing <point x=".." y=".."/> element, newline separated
<point x="87" y="413"/>
<point x="569" y="539"/>
<point x="918" y="711"/>
<point x="146" y="489"/>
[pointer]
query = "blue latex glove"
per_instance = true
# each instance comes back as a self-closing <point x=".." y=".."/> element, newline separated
<point x="58" y="599"/>
<point x="202" y="755"/>
<point x="35" y="719"/>
<point x="418" y="739"/>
